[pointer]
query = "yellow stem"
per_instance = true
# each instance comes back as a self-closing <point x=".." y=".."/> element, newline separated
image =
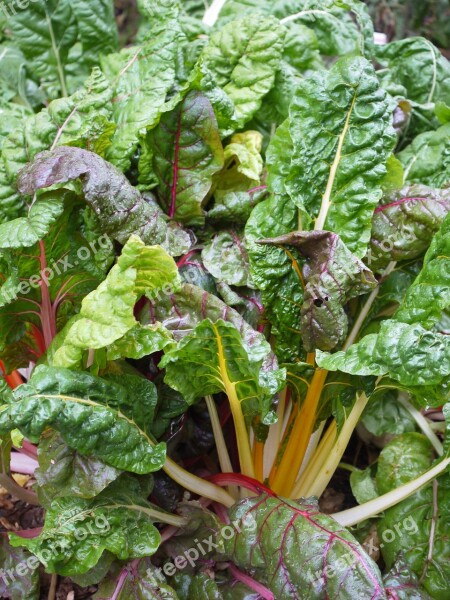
<point x="258" y="459"/>
<point x="283" y="441"/>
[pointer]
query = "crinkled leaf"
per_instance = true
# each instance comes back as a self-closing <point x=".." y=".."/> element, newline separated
<point x="141" y="77"/>
<point x="212" y="359"/>
<point x="427" y="159"/>
<point x="107" y="313"/>
<point x="243" y="57"/>
<point x="404" y="458"/>
<point x="386" y="415"/>
<point x="77" y="531"/>
<point x="87" y="412"/>
<point x="410" y="354"/>
<point x="341" y="126"/>
<point x="297" y="552"/>
<point x="27" y="231"/>
<point x="332" y="276"/>
<point x="226" y="258"/>
<point x="54" y="35"/>
<point x="120" y="208"/>
<point x="429" y="295"/>
<point x="140" y="341"/>
<point x="63" y="471"/>
<point x="404" y="223"/>
<point x="243" y="162"/>
<point x="401" y="584"/>
<point x="187" y="151"/>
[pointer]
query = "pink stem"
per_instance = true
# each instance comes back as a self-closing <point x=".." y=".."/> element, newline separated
<point x="225" y="479"/>
<point x="251" y="583"/>
<point x="48" y="320"/>
<point x="23" y="464"/>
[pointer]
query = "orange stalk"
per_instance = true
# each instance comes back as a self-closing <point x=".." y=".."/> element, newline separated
<point x="258" y="460"/>
<point x="13" y="379"/>
<point x="291" y="461"/>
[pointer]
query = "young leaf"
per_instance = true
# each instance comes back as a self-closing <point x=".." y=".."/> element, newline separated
<point x="186" y="153"/>
<point x="243" y="57"/>
<point x="332" y="276"/>
<point x="78" y="531"/>
<point x="27" y="231"/>
<point x="107" y="313"/>
<point x="87" y="412"/>
<point x="290" y="546"/>
<point x="338" y="167"/>
<point x="120" y="208"/>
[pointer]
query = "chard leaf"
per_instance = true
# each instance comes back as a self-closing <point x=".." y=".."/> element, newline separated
<point x="277" y="272"/>
<point x="55" y="34"/>
<point x="181" y="312"/>
<point x="141" y="77"/>
<point x="78" y="531"/>
<point x="107" y="313"/>
<point x="429" y="295"/>
<point x="87" y="412"/>
<point x="298" y="552"/>
<point x="213" y="359"/>
<point x="27" y="231"/>
<point x="332" y="276"/>
<point x="401" y="584"/>
<point x="426" y="159"/>
<point x="226" y="258"/>
<point x="409" y="354"/>
<point x="243" y="57"/>
<point x="235" y="207"/>
<point x="63" y="471"/>
<point x="243" y="160"/>
<point x="120" y="208"/>
<point x="140" y="341"/>
<point x="187" y="151"/>
<point x="143" y="582"/>
<point x="404" y="223"/>
<point x="25" y="587"/>
<point x="404" y="458"/>
<point x="341" y="126"/>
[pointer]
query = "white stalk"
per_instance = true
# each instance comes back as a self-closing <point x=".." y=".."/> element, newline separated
<point x="212" y="13"/>
<point x="422" y="423"/>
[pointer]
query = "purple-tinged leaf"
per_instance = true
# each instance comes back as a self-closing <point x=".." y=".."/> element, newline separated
<point x="300" y="553"/>
<point x="187" y="151"/>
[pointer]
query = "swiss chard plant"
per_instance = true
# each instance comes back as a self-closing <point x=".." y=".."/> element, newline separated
<point x="224" y="265"/>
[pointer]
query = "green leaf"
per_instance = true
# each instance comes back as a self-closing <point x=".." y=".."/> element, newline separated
<point x="426" y="160"/>
<point x="106" y="314"/>
<point x="120" y="208"/>
<point x="363" y="485"/>
<point x="141" y="77"/>
<point x="27" y="231"/>
<point x="187" y="151"/>
<point x="429" y="295"/>
<point x="277" y="272"/>
<point x="243" y="160"/>
<point x="78" y="531"/>
<point x="54" y="35"/>
<point x="226" y="258"/>
<point x="213" y="359"/>
<point x="401" y="584"/>
<point x="336" y="173"/>
<point x="243" y="57"/>
<point x="290" y="546"/>
<point x="87" y="412"/>
<point x="143" y="581"/>
<point x="409" y="354"/>
<point x="405" y="528"/>
<point x="404" y="223"/>
<point x="63" y="471"/>
<point x="332" y="276"/>
<point x="140" y="341"/>
<point x="386" y="415"/>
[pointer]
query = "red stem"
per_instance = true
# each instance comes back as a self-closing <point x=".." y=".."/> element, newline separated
<point x="48" y="318"/>
<point x="225" y="479"/>
<point x="14" y="379"/>
<point x="251" y="583"/>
